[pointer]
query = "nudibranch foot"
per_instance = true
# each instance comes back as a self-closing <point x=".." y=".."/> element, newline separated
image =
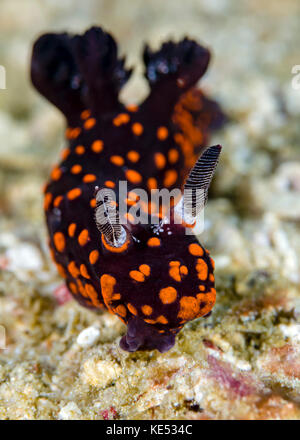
<point x="143" y="336"/>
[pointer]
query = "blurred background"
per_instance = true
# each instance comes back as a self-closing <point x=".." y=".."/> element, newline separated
<point x="252" y="224"/>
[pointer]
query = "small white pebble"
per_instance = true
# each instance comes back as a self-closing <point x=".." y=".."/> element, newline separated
<point x="88" y="337"/>
<point x="291" y="331"/>
<point x="69" y="412"/>
<point x="222" y="261"/>
<point x="24" y="257"/>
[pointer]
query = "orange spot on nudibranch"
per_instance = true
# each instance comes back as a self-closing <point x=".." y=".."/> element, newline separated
<point x="92" y="294"/>
<point x="195" y="249"/>
<point x="161" y="320"/>
<point x="72" y="229"/>
<point x="184" y="270"/>
<point x="133" y="156"/>
<point x="68" y="133"/>
<point x="160" y="160"/>
<point x="191" y="134"/>
<point x="132" y="108"/>
<point x="97" y="146"/>
<point x="162" y="133"/>
<point x="72" y="268"/>
<point x="137" y="128"/>
<point x="202" y="269"/>
<point x="47" y="200"/>
<point x="173" y="155"/>
<point x="122" y="118"/>
<point x="59" y="241"/>
<point x="61" y="271"/>
<point x="83" y="237"/>
<point x="145" y="269"/>
<point x="153" y="242"/>
<point x="168" y="295"/>
<point x="121" y="310"/>
<point x="57" y="201"/>
<point x="85" y="114"/>
<point x="65" y="153"/>
<point x="76" y="132"/>
<point x="137" y="276"/>
<point x="74" y="193"/>
<point x="170" y="178"/>
<point x="109" y="184"/>
<point x="150" y="321"/>
<point x="93" y="203"/>
<point x="73" y="133"/>
<point x="83" y="271"/>
<point x="89" y="123"/>
<point x="79" y="150"/>
<point x="176" y="271"/>
<point x="76" y="169"/>
<point x="117" y="160"/>
<point x="81" y="288"/>
<point x="189" y="308"/>
<point x="93" y="257"/>
<point x="88" y="178"/>
<point x="132" y="309"/>
<point x="133" y="176"/>
<point x="206" y="301"/>
<point x="108" y="283"/>
<point x="147" y="310"/>
<point x="73" y="288"/>
<point x="152" y="183"/>
<point x="56" y="173"/>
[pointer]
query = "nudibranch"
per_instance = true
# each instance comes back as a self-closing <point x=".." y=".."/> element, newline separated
<point x="154" y="277"/>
